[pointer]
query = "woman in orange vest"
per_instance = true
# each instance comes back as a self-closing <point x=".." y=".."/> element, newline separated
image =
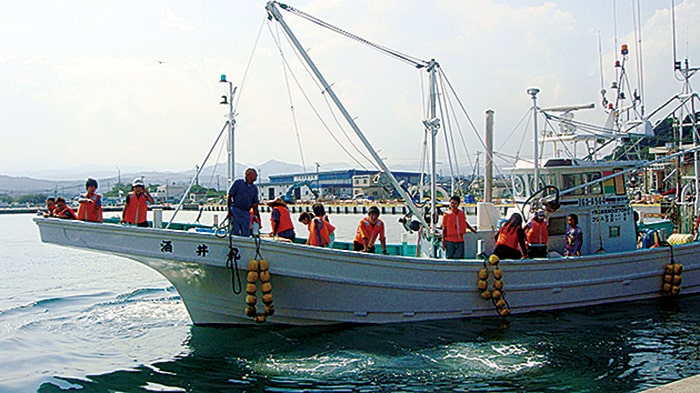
<point x="368" y="230"/>
<point x="509" y="237"/>
<point x="281" y="220"/>
<point x="136" y="205"/>
<point x="320" y="229"/>
<point x="454" y="226"/>
<point x="90" y="208"/>
<point x="537" y="235"/>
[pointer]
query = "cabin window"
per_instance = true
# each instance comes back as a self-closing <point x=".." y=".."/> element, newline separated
<point x="619" y="182"/>
<point x="570" y="181"/>
<point x="518" y="186"/>
<point x="614" y="231"/>
<point x="557" y="226"/>
<point x="595" y="188"/>
<point x="615" y="184"/>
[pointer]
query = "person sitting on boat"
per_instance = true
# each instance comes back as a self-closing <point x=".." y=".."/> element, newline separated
<point x="368" y="230"/>
<point x="574" y="237"/>
<point x="63" y="211"/>
<point x="136" y="204"/>
<point x="320" y="229"/>
<point x="242" y="197"/>
<point x="281" y="220"/>
<point x="50" y="207"/>
<point x="90" y="208"/>
<point x="454" y="226"/>
<point x="536" y="235"/>
<point x="511" y="236"/>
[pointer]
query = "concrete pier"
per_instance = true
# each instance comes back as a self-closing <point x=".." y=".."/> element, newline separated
<point x="686" y="385"/>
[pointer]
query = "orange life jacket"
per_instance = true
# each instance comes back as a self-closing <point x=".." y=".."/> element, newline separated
<point x="321" y="236"/>
<point x="137" y="209"/>
<point x="454" y="226"/>
<point x="507" y="238"/>
<point x="90" y="211"/>
<point x="365" y="230"/>
<point x="67" y="213"/>
<point x="537" y="232"/>
<point x="285" y="220"/>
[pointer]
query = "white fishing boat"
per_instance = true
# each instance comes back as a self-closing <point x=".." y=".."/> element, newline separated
<point x="217" y="275"/>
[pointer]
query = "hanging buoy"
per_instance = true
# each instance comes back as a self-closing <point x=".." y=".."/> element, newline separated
<point x="672" y="278"/>
<point x="259" y="270"/>
<point x="495" y="294"/>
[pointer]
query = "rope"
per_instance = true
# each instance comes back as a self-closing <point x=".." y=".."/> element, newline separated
<point x="232" y="263"/>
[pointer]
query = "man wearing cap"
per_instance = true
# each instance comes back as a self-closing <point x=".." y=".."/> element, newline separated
<point x="136" y="204"/>
<point x="536" y="235"/>
<point x="281" y="220"/>
<point x="242" y="197"/>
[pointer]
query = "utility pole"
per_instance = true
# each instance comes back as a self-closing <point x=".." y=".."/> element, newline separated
<point x="318" y="181"/>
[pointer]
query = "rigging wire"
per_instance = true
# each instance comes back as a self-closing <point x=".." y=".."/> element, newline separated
<point x="323" y="122"/>
<point x="414" y="61"/>
<point x="291" y="104"/>
<point x="247" y="67"/>
<point x="447" y="130"/>
<point x="449" y="121"/>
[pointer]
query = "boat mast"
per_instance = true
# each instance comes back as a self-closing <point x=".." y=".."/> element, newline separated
<point x="275" y="13"/>
<point x="231" y="127"/>
<point x="533" y="93"/>
<point x="433" y="124"/>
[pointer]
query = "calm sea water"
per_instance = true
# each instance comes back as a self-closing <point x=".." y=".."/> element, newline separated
<point x="72" y="320"/>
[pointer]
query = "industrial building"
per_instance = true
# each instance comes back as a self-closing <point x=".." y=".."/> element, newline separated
<point x="340" y="184"/>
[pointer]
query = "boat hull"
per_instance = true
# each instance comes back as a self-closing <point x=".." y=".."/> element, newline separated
<point x="315" y="286"/>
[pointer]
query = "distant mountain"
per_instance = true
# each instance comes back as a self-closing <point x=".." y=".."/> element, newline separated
<point x="72" y="181"/>
<point x="214" y="176"/>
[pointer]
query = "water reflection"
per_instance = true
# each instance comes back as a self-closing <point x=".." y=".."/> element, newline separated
<point x="622" y="348"/>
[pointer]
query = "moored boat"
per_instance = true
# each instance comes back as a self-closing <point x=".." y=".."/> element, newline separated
<point x="316" y="286"/>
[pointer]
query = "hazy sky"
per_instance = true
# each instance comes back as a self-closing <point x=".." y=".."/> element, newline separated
<point x="135" y="83"/>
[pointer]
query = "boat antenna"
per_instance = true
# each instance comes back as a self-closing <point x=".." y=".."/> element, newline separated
<point x="604" y="100"/>
<point x="639" y="56"/>
<point x="676" y="63"/>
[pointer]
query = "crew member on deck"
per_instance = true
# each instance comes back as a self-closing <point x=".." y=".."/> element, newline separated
<point x="63" y="211"/>
<point x="511" y="236"/>
<point x="320" y="230"/>
<point x="368" y="230"/>
<point x="537" y="235"/>
<point x="574" y="237"/>
<point x="242" y="197"/>
<point x="454" y="226"/>
<point x="281" y="220"/>
<point x="90" y="208"/>
<point x="136" y="205"/>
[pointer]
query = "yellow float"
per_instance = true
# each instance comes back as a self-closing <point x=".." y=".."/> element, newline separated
<point x="495" y="293"/>
<point x="258" y="271"/>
